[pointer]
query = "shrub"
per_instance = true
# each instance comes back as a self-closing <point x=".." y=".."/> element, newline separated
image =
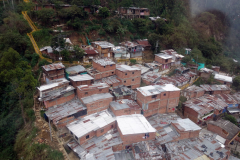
<point x="133" y="61"/>
<point x="102" y="32"/>
<point x="30" y="114"/>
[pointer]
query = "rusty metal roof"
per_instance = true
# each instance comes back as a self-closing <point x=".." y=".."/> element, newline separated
<point x="207" y="87"/>
<point x="229" y="99"/>
<point x="151" y="76"/>
<point x="54" y="66"/>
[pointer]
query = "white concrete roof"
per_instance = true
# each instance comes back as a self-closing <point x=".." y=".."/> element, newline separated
<point x="90" y="123"/>
<point x="186" y="125"/>
<point x="83" y="77"/>
<point x="134" y="124"/>
<point x="223" y="78"/>
<point x="157" y="89"/>
<point x="163" y="56"/>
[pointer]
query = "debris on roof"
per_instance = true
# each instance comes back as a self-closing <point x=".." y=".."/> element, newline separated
<point x="104" y="61"/>
<point x="194" y="88"/>
<point x="83" y="77"/>
<point x="141" y="67"/>
<point x="125" y="103"/>
<point x="103" y="44"/>
<point x="53" y="66"/>
<point x="111" y="80"/>
<point x="96" y="97"/>
<point x="134" y="124"/>
<point x="91" y="123"/>
<point x="92" y="86"/>
<point x="121" y="91"/>
<point x="97" y="148"/>
<point x="75" y="70"/>
<point x="151" y="77"/>
<point x="157" y="89"/>
<point x="223" y="78"/>
<point x="130" y="44"/>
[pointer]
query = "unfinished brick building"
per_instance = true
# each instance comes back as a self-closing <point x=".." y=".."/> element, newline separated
<point x="102" y="68"/>
<point x="53" y="71"/>
<point x="134" y="128"/>
<point x="88" y="90"/>
<point x="125" y="107"/>
<point x="78" y="80"/>
<point x="133" y="12"/>
<point x="104" y="48"/>
<point x="94" y="125"/>
<point x="224" y="79"/>
<point x="193" y="92"/>
<point x="164" y="59"/>
<point x="97" y="102"/>
<point x="130" y="77"/>
<point x="112" y="81"/>
<point x="158" y="99"/>
<point x="225" y="129"/>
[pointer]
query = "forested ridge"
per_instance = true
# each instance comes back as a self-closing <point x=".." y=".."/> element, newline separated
<point x="209" y="27"/>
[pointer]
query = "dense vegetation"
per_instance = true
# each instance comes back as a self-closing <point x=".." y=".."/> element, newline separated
<point x="210" y="28"/>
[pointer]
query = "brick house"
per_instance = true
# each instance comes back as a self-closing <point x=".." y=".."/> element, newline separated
<point x="204" y="108"/>
<point x="66" y="113"/>
<point x="90" y="53"/>
<point x="130" y="77"/>
<point x="88" y="90"/>
<point x="125" y="107"/>
<point x="56" y="92"/>
<point x="102" y="68"/>
<point x="158" y="99"/>
<point x="216" y="68"/>
<point x="164" y="59"/>
<point x="193" y="92"/>
<point x="144" y="43"/>
<point x="205" y="73"/>
<point x="225" y="129"/>
<point x="133" y="12"/>
<point x="53" y="71"/>
<point x="78" y="80"/>
<point x="134" y="128"/>
<point x="94" y="125"/>
<point x="224" y="79"/>
<point x="104" y="48"/>
<point x="97" y="102"/>
<point x="176" y="58"/>
<point x="215" y="89"/>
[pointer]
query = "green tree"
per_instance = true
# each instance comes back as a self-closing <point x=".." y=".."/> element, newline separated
<point x="45" y="15"/>
<point x="231" y="119"/>
<point x="236" y="83"/>
<point x="79" y="52"/>
<point x="140" y="25"/>
<point x="104" y="12"/>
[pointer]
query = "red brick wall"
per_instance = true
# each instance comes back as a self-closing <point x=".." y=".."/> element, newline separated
<point x="102" y="69"/>
<point x="186" y="134"/>
<point x="227" y="83"/>
<point x="54" y="74"/>
<point x="59" y="101"/>
<point x="191" y="114"/>
<point x="83" y="139"/>
<point x="101" y="75"/>
<point x="98" y="106"/>
<point x="88" y="92"/>
<point x="133" y="78"/>
<point x="163" y="103"/>
<point x="105" y="129"/>
<point x="134" y="138"/>
<point x="162" y="61"/>
<point x="78" y="83"/>
<point x="118" y="147"/>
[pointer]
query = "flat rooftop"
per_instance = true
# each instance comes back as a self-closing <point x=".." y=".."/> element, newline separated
<point x="186" y="125"/>
<point x="163" y="55"/>
<point x="91" y="123"/>
<point x="126" y="68"/>
<point x="96" y="97"/>
<point x="75" y="69"/>
<point x="83" y="77"/>
<point x="104" y="44"/>
<point x="223" y="78"/>
<point x="142" y="68"/>
<point x="93" y="86"/>
<point x="121" y="91"/>
<point x="134" y="124"/>
<point x="125" y="103"/>
<point x="157" y="89"/>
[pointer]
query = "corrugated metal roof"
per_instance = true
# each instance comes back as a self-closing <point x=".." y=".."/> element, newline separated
<point x="163" y="56"/>
<point x="104" y="61"/>
<point x="91" y="123"/>
<point x="194" y="88"/>
<point x="83" y="77"/>
<point x="215" y="87"/>
<point x="186" y="125"/>
<point x="109" y="80"/>
<point x="141" y="67"/>
<point x="229" y="99"/>
<point x="104" y="44"/>
<point x="75" y="69"/>
<point x="223" y="78"/>
<point x="96" y="97"/>
<point x="126" y="68"/>
<point x="151" y="77"/>
<point x="55" y="83"/>
<point x="143" y="42"/>
<point x="134" y="124"/>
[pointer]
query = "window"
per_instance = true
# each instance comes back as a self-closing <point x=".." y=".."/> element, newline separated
<point x="124" y="81"/>
<point x="132" y="79"/>
<point x="164" y="94"/>
<point x="87" y="136"/>
<point x="100" y="90"/>
<point x="104" y="66"/>
<point x="102" y="130"/>
<point x="111" y="85"/>
<point x="86" y="93"/>
<point x="76" y="137"/>
<point x="71" y="132"/>
<point x="154" y="96"/>
<point x="225" y="82"/>
<point x="132" y="72"/>
<point x="166" y="60"/>
<point x="220" y="111"/>
<point x="111" y="126"/>
<point x="112" y="72"/>
<point x="125" y="73"/>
